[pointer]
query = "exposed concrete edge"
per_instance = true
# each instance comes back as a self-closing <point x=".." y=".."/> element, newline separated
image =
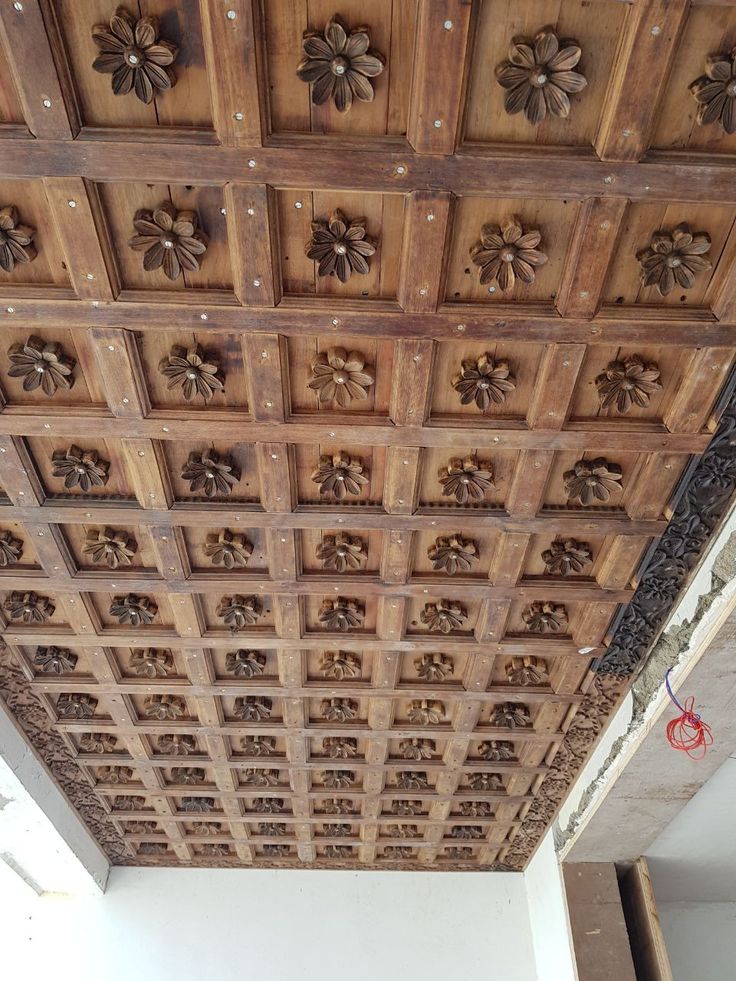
<point x="696" y="619"/>
<point x="85" y="862"/>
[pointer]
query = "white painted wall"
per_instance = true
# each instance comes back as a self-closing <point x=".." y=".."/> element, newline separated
<point x="551" y="937"/>
<point x="206" y="924"/>
<point x="700" y="940"/>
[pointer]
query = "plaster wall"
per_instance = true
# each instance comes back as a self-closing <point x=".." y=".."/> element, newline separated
<point x="700" y="939"/>
<point x="275" y="926"/>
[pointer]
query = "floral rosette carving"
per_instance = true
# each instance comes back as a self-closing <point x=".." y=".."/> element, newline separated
<point x="29" y="607"/>
<point x="539" y="76"/>
<point x="134" y="611"/>
<point x="506" y="253"/>
<point x="567" y="557"/>
<point x="84" y="469"/>
<point x="11" y="549"/>
<point x="444" y="616"/>
<point x="341" y="614"/>
<point x="133" y="53"/>
<point x="342" y="552"/>
<point x="434" y="667"/>
<point x="339" y="64"/>
<point x="340" y="475"/>
<point x="170" y="240"/>
<point x="16" y="240"/>
<point x="484" y="381"/>
<point x="150" y="662"/>
<point x="544" y="617"/>
<point x="245" y="664"/>
<point x="211" y="473"/>
<point x="228" y="549"/>
<point x="40" y="364"/>
<point x="467" y="480"/>
<point x="626" y="383"/>
<point x="339" y="665"/>
<point x="453" y="554"/>
<point x="341" y="377"/>
<point x="592" y="481"/>
<point x="239" y="612"/>
<point x="54" y="660"/>
<point x="190" y="370"/>
<point x="674" y="259"/>
<point x="110" y="547"/>
<point x="340" y="246"/>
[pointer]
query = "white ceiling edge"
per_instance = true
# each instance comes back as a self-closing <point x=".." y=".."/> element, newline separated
<point x="605" y="766"/>
<point x="42" y="839"/>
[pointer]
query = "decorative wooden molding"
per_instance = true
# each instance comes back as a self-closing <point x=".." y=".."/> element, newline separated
<point x="134" y="54"/>
<point x="171" y="240"/>
<point x="340" y="246"/>
<point x="339" y="64"/>
<point x="674" y="259"/>
<point x="506" y="253"/>
<point x="539" y="76"/>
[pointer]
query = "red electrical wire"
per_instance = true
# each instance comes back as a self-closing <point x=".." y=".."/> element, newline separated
<point x="688" y="732"/>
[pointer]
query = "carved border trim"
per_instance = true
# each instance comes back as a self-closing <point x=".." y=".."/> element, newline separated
<point x="700" y="509"/>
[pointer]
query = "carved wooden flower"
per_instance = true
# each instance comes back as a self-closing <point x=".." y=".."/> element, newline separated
<point x="141" y="827"/>
<point x="41" y="365"/>
<point x="338" y="709"/>
<point x="417" y="749"/>
<point x="339" y="64"/>
<point x="80" y="468"/>
<point x="506" y="253"/>
<point x="466" y="480"/>
<point x="425" y="712"/>
<point x="445" y="615"/>
<point x="716" y="92"/>
<point x="628" y="382"/>
<point x="338" y="830"/>
<point x="114" y="774"/>
<point x="510" y="715"/>
<point x="271" y="829"/>
<point x="276" y="851"/>
<point x="54" y="660"/>
<point x="216" y="849"/>
<point x="138" y="611"/>
<point x="153" y="848"/>
<point x="495" y="750"/>
<point x="338" y="851"/>
<point x="170" y="240"/>
<point x="211" y="473"/>
<point x="341" y="614"/>
<point x="258" y="745"/>
<point x="406" y="808"/>
<point x="11" y="549"/>
<point x="434" y="667"/>
<point x="164" y="708"/>
<point x="98" y="742"/>
<point x="16" y="241"/>
<point x="245" y="664"/>
<point x="485" y="782"/>
<point x="149" y="662"/>
<point x="475" y="808"/>
<point x="76" y="706"/>
<point x="526" y="671"/>
<point x="337" y="806"/>
<point x="592" y="480"/>
<point x="412" y="780"/>
<point x="239" y="611"/>
<point x="339" y="747"/>
<point x="403" y="831"/>
<point x="567" y="556"/>
<point x="228" y="549"/>
<point x="340" y="376"/>
<point x="110" y="547"/>
<point x="484" y="381"/>
<point x="129" y="803"/>
<point x="338" y="779"/>
<point x="191" y="775"/>
<point x="458" y="852"/>
<point x="176" y="744"/>
<point x="261" y="778"/>
<point x="252" y="708"/>
<point x="545" y="617"/>
<point x="674" y="259"/>
<point x="339" y="665"/>
<point x="339" y="475"/>
<point x="398" y="852"/>
<point x="134" y="54"/>
<point x="340" y="246"/>
<point x="268" y="805"/>
<point x="29" y="607"/>
<point x="467" y="831"/>
<point x="189" y="370"/>
<point x="538" y="76"/>
<point x="207" y="827"/>
<point x="342" y="552"/>
<point x="197" y="805"/>
<point x="453" y="554"/>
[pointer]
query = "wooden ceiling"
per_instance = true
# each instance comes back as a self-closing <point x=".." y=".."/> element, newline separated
<point x="344" y="407"/>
